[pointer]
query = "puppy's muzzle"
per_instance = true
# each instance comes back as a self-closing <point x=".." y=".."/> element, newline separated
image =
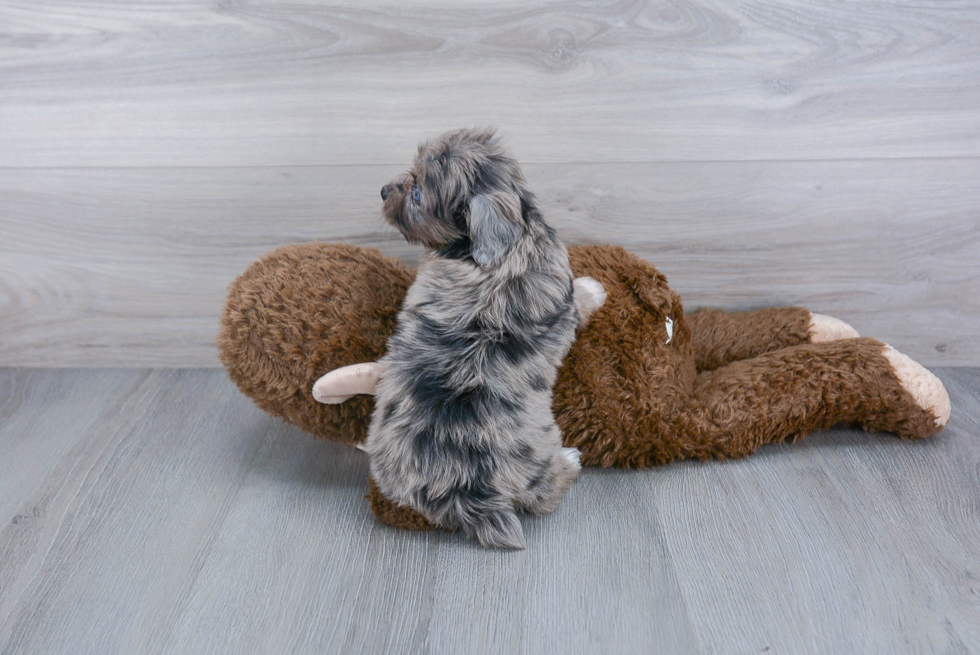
<point x="401" y="184"/>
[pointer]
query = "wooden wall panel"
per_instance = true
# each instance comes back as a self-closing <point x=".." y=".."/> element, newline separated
<point x="759" y="152"/>
<point x="272" y="83"/>
<point x="128" y="267"/>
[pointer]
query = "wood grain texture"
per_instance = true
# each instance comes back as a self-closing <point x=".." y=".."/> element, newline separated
<point x="272" y="83"/>
<point x="109" y="535"/>
<point x="33" y="439"/>
<point x="128" y="267"/>
<point x="174" y="517"/>
<point x="760" y="153"/>
<point x="896" y="520"/>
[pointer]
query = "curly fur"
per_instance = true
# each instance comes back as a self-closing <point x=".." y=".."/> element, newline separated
<point x="725" y="384"/>
<point x="462" y="429"/>
<point x="303" y="310"/>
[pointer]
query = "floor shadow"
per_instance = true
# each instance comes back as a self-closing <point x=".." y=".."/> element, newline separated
<point x="296" y="457"/>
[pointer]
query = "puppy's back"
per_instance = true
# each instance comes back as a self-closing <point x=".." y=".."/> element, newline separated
<point x="463" y="422"/>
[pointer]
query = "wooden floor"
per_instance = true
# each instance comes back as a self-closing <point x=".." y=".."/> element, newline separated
<point x="157" y="511"/>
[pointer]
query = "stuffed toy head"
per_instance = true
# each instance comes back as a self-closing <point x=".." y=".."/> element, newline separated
<point x="302" y="311"/>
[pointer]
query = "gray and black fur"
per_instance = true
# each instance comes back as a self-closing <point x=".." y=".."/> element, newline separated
<point x="463" y="429"/>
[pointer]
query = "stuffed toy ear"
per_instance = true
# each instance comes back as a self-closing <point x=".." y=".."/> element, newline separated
<point x="495" y="225"/>
<point x="344" y="383"/>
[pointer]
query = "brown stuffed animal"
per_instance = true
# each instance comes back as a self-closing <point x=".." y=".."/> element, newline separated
<point x="643" y="385"/>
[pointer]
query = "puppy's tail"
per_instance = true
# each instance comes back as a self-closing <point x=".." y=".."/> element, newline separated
<point x="494" y="525"/>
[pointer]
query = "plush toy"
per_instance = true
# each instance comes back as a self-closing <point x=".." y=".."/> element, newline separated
<point x="643" y="385"/>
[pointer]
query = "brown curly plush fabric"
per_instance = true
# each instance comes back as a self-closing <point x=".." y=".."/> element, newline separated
<point x="724" y="384"/>
<point x="720" y="338"/>
<point x="301" y="311"/>
<point x="391" y="513"/>
<point x="628" y="399"/>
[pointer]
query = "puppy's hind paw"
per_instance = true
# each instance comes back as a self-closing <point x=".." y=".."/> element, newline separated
<point x="589" y="296"/>
<point x="573" y="455"/>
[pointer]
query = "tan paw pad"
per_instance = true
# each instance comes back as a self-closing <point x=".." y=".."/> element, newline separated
<point x="927" y="390"/>
<point x="825" y="328"/>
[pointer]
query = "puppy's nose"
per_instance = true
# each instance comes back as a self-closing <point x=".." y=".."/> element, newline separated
<point x="384" y="192"/>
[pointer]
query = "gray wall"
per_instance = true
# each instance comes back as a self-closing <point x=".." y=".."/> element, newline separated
<point x="822" y="154"/>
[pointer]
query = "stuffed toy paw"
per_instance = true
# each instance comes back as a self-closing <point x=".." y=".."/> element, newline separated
<point x="643" y="385"/>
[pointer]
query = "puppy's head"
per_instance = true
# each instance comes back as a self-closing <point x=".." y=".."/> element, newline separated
<point x="463" y="197"/>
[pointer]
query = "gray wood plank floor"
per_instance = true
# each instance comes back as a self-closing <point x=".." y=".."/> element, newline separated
<point x="157" y="511"/>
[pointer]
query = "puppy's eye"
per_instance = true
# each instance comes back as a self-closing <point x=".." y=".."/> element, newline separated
<point x="416" y="193"/>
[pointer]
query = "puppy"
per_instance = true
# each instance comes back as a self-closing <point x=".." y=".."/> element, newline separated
<point x="462" y="429"/>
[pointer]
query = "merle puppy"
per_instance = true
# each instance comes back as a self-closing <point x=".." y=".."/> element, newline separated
<point x="462" y="429"/>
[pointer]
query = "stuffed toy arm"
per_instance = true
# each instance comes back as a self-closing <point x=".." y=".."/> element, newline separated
<point x="344" y="383"/>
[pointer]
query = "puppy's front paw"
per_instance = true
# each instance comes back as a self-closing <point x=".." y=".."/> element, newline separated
<point x="589" y="296"/>
<point x="573" y="455"/>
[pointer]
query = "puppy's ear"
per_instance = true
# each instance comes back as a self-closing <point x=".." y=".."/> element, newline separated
<point x="495" y="224"/>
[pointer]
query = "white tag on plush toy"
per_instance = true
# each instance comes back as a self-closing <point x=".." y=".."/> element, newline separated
<point x="670" y="329"/>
